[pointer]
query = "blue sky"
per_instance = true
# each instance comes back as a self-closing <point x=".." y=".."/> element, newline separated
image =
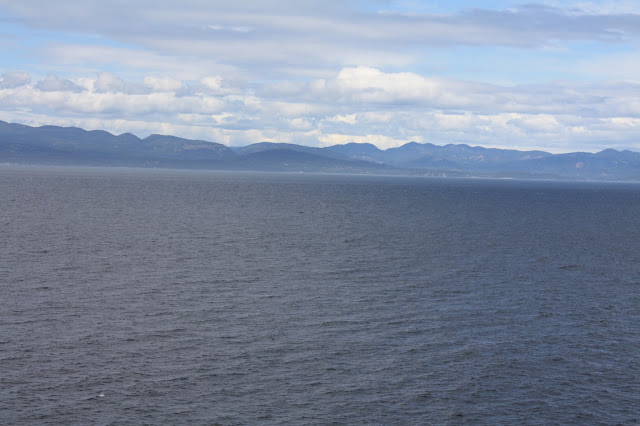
<point x="555" y="75"/>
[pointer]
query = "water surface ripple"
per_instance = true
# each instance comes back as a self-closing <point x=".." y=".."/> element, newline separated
<point x="166" y="297"/>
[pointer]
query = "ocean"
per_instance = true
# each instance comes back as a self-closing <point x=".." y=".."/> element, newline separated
<point x="143" y="296"/>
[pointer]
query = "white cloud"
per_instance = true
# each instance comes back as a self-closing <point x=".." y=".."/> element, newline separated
<point x="370" y="84"/>
<point x="212" y="82"/>
<point x="339" y="110"/>
<point x="537" y="123"/>
<point x="349" y="119"/>
<point x="323" y="72"/>
<point x="300" y="124"/>
<point x="162" y="84"/>
<point x="108" y="82"/>
<point x="108" y="103"/>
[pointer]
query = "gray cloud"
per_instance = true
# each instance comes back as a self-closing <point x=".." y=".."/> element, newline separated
<point x="539" y="25"/>
<point x="248" y="33"/>
<point x="12" y="80"/>
<point x="54" y="84"/>
<point x="193" y="19"/>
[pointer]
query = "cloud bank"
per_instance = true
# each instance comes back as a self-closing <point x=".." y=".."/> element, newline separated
<point x="320" y="73"/>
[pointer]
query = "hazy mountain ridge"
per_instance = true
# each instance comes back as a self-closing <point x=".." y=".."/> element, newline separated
<point x="53" y="145"/>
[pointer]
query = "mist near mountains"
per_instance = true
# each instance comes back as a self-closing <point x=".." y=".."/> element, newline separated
<point x="53" y="145"/>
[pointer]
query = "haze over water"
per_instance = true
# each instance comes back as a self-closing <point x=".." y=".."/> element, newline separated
<point x="166" y="297"/>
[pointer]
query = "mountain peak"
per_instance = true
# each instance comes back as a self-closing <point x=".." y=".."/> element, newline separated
<point x="21" y="144"/>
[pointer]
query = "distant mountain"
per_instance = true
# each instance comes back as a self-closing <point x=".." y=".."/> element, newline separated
<point x="416" y="155"/>
<point x="604" y="165"/>
<point x="74" y="146"/>
<point x="359" y="151"/>
<point x="52" y="145"/>
<point x="270" y="146"/>
<point x="294" y="159"/>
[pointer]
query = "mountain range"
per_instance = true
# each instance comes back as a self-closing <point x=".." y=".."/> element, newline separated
<point x="53" y="145"/>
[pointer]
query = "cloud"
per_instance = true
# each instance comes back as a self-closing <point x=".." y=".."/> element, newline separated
<point x="265" y="36"/>
<point x="58" y="95"/>
<point x="601" y="7"/>
<point x="553" y="75"/>
<point x="539" y="25"/>
<point x="136" y="61"/>
<point x="366" y="89"/>
<point x="349" y="119"/>
<point x="300" y="124"/>
<point x="162" y="84"/>
<point x="365" y="84"/>
<point x="356" y="105"/>
<point x="108" y="82"/>
<point x="611" y="65"/>
<point x="212" y="82"/>
<point x="54" y="84"/>
<point x="11" y="80"/>
<point x="532" y="24"/>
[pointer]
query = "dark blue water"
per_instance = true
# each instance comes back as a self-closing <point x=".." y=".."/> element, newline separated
<point x="167" y="297"/>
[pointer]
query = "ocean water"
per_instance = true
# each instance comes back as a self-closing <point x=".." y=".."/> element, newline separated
<point x="183" y="297"/>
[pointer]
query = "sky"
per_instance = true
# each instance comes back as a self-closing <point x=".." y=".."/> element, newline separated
<point x="561" y="76"/>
